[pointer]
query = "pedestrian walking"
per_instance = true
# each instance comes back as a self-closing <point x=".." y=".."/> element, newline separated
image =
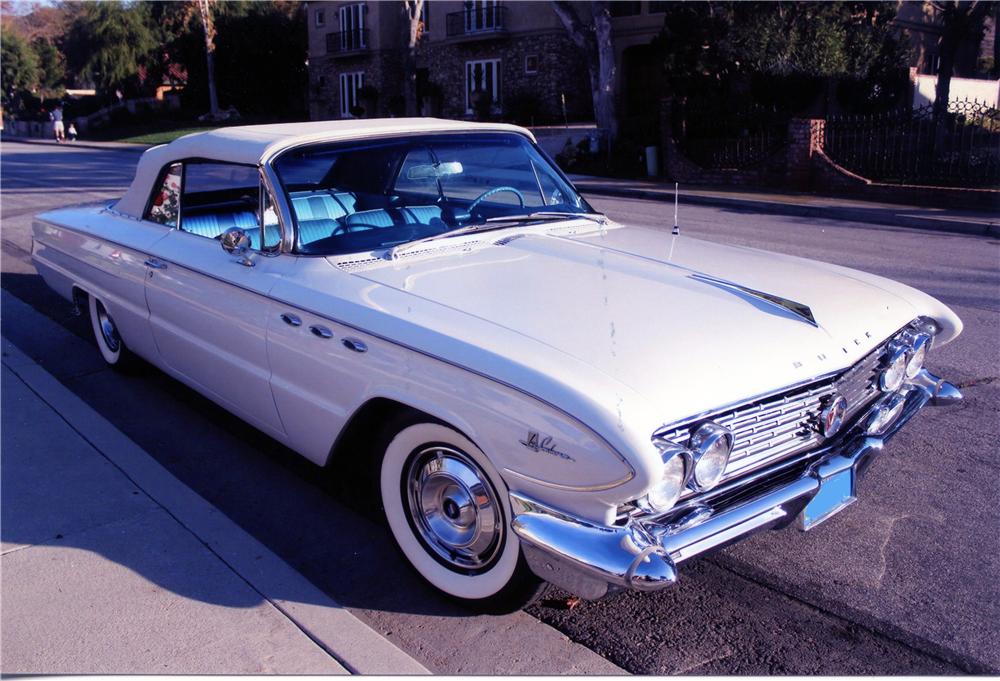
<point x="57" y="120"/>
<point x="71" y="132"/>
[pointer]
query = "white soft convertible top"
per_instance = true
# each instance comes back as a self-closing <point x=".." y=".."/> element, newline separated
<point x="254" y="144"/>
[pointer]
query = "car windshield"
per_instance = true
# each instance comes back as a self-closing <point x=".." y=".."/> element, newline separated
<point x="379" y="194"/>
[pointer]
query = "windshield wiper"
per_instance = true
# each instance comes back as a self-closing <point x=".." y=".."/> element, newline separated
<point x="495" y="223"/>
<point x="599" y="218"/>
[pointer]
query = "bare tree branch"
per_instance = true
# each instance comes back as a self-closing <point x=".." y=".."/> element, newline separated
<point x="578" y="33"/>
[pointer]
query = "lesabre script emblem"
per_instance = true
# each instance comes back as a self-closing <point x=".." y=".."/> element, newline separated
<point x="536" y="443"/>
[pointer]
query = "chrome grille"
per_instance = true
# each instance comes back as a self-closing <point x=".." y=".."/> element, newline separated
<point x="778" y="426"/>
<point x="859" y="384"/>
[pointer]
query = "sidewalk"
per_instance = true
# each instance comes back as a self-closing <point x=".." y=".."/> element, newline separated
<point x="112" y="565"/>
<point x="802" y="205"/>
<point x="86" y="144"/>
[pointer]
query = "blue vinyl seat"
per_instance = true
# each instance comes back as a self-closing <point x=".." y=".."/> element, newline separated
<point x="317" y="213"/>
<point x="212" y="225"/>
<point x="389" y="217"/>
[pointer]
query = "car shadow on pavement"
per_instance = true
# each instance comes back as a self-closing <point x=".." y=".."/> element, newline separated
<point x="312" y="517"/>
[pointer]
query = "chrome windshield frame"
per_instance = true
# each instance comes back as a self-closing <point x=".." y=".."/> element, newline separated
<point x="282" y="200"/>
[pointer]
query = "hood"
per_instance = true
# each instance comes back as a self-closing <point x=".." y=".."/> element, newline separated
<point x="671" y="318"/>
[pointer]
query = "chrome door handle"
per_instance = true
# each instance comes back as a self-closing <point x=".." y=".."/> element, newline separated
<point x="290" y="319"/>
<point x="156" y="264"/>
<point x="321" y="332"/>
<point x="355" y="344"/>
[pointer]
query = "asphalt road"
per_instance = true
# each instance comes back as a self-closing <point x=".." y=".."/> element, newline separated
<point x="905" y="581"/>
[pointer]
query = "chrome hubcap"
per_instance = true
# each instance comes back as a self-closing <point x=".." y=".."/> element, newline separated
<point x="453" y="508"/>
<point x="108" y="329"/>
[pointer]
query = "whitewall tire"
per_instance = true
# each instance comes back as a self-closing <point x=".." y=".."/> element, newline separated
<point x="106" y="335"/>
<point x="449" y="512"/>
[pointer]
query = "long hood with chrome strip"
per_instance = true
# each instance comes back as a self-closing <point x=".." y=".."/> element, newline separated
<point x="679" y="323"/>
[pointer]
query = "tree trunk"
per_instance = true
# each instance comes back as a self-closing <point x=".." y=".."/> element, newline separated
<point x="597" y="43"/>
<point x="206" y="22"/>
<point x="995" y="71"/>
<point x="607" y="73"/>
<point x="413" y="10"/>
<point x="948" y="48"/>
<point x="962" y="20"/>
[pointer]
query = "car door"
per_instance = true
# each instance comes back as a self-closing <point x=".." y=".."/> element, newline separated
<point x="208" y="308"/>
<point x="320" y="369"/>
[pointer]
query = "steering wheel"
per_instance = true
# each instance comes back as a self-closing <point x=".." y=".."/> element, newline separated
<point x="496" y="190"/>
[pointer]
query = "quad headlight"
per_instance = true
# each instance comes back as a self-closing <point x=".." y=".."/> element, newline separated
<point x="668" y="488"/>
<point x="895" y="372"/>
<point x="710" y="446"/>
<point x="699" y="465"/>
<point x="907" y="353"/>
<point x="918" y="353"/>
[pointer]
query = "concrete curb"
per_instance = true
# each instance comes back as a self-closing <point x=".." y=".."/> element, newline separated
<point x="354" y="644"/>
<point x="844" y="213"/>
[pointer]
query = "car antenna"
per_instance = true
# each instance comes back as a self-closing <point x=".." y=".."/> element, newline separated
<point x="677" y="230"/>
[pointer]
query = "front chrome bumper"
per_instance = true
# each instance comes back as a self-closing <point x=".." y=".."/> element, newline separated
<point x="590" y="559"/>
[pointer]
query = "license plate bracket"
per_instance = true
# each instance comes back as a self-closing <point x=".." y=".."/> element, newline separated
<point x="835" y="494"/>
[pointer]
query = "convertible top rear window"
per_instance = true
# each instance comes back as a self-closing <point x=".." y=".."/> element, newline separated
<point x="377" y="194"/>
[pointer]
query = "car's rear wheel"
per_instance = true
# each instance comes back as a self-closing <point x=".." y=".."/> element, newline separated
<point x="449" y="513"/>
<point x="109" y="340"/>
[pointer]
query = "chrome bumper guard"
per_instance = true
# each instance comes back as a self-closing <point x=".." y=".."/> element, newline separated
<point x="590" y="559"/>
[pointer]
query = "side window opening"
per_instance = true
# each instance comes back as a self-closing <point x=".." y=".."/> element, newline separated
<point x="166" y="203"/>
<point x="219" y="196"/>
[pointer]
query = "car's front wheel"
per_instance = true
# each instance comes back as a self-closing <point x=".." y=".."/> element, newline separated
<point x="449" y="512"/>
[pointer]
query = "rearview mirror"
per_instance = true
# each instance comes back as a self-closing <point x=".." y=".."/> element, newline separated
<point x="434" y="171"/>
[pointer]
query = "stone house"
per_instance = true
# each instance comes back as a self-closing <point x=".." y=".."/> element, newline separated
<point x="513" y="58"/>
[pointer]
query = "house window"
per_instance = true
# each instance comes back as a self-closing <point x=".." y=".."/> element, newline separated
<point x="482" y="15"/>
<point x="352" y="27"/>
<point x="320" y="17"/>
<point x="350" y="83"/>
<point x="482" y="77"/>
<point x="531" y="64"/>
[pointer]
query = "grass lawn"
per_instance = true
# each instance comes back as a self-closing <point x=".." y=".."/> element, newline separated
<point x="155" y="132"/>
<point x="161" y="136"/>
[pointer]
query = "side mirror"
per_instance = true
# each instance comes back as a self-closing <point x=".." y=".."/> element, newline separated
<point x="236" y="241"/>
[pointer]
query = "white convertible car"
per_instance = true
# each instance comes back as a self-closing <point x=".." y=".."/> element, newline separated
<point x="532" y="390"/>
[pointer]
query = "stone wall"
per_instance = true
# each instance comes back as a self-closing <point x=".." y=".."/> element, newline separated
<point x="383" y="71"/>
<point x="561" y="71"/>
